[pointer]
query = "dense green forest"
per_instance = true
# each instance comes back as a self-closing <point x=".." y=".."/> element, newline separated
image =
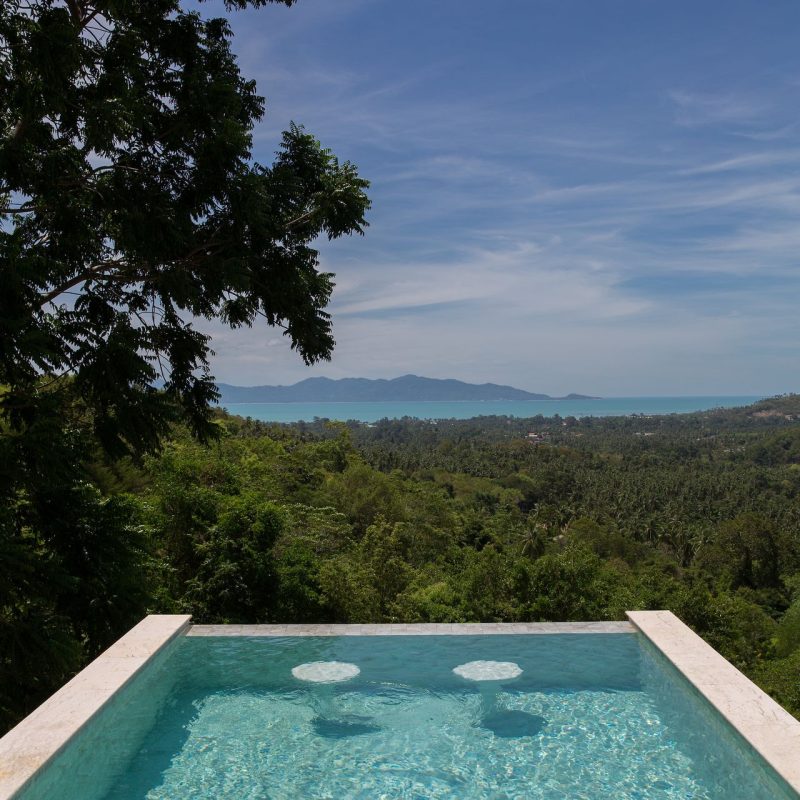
<point x="492" y="518"/>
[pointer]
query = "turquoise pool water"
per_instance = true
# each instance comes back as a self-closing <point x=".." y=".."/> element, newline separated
<point x="590" y="716"/>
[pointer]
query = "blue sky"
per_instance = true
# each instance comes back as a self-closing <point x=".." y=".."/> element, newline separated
<point x="598" y="196"/>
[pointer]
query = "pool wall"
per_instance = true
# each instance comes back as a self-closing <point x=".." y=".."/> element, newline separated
<point x="41" y="738"/>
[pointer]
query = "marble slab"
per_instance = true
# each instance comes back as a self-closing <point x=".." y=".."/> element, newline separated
<point x="421" y="629"/>
<point x="770" y="730"/>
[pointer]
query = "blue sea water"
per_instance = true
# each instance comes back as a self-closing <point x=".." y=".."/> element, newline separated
<point x="592" y="716"/>
<point x="466" y="409"/>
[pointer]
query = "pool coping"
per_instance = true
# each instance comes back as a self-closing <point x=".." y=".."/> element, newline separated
<point x="413" y="629"/>
<point x="27" y="748"/>
<point x="767" y="727"/>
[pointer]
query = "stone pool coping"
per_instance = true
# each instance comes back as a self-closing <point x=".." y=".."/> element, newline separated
<point x="417" y="629"/>
<point x="44" y="733"/>
<point x="772" y="732"/>
<point x="768" y="728"/>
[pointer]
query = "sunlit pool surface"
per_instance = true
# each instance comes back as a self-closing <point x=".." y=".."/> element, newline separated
<point x="582" y="716"/>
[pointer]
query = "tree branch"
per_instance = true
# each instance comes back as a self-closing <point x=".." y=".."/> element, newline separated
<point x="75" y="10"/>
<point x="19" y="128"/>
<point x="82" y="277"/>
<point x="98" y="270"/>
<point x="89" y="17"/>
<point x="80" y="13"/>
<point x="301" y="219"/>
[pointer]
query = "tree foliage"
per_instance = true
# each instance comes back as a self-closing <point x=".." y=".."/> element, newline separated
<point x="404" y="521"/>
<point x="130" y="207"/>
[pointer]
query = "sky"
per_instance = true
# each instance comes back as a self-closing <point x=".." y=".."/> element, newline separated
<point x="596" y="196"/>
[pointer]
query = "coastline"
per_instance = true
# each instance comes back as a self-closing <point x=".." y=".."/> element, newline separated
<point x="373" y="411"/>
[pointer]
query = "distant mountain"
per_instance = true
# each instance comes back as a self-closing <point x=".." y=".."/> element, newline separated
<point x="409" y="388"/>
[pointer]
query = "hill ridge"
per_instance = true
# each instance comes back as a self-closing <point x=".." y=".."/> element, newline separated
<point x="404" y="388"/>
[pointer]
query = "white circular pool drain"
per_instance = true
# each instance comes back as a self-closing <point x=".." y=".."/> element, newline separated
<point x="325" y="671"/>
<point x="488" y="670"/>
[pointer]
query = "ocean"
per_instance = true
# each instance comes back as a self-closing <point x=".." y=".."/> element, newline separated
<point x="466" y="409"/>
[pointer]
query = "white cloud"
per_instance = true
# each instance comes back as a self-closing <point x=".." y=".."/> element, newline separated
<point x="704" y="108"/>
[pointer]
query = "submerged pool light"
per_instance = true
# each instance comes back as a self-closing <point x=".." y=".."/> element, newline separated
<point x="325" y="671"/>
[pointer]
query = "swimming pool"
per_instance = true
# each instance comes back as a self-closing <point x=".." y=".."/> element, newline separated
<point x="577" y="715"/>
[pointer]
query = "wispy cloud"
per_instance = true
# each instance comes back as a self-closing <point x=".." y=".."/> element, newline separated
<point x="748" y="161"/>
<point x="545" y="214"/>
<point x="693" y="109"/>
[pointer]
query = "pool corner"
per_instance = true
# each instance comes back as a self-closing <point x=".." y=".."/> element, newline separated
<point x="44" y="733"/>
<point x="768" y="728"/>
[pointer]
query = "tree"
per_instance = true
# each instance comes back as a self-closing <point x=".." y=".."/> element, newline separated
<point x="129" y="205"/>
<point x="749" y="550"/>
<point x="74" y="570"/>
<point x="235" y="578"/>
